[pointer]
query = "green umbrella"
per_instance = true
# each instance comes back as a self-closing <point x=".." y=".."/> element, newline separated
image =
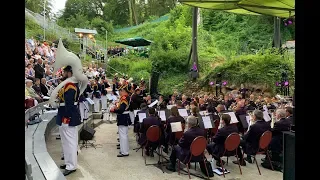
<point x="134" y="42"/>
<point x="278" y="8"/>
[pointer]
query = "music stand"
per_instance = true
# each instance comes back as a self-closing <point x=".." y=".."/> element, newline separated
<point x="91" y="103"/>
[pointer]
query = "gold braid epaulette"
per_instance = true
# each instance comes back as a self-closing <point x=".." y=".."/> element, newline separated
<point x="124" y="100"/>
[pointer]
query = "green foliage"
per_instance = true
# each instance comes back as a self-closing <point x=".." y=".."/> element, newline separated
<point x="264" y="68"/>
<point x="134" y="67"/>
<point x="171" y="81"/>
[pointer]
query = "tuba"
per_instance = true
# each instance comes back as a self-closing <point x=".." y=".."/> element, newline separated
<point x="65" y="58"/>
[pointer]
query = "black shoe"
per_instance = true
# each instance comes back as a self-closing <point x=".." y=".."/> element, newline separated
<point x="58" y="137"/>
<point x="218" y="163"/>
<point x="118" y="139"/>
<point x="170" y="167"/>
<point x="118" y="147"/>
<point x="122" y="155"/>
<point x="165" y="150"/>
<point x="118" y="144"/>
<point x="248" y="159"/>
<point x="241" y="164"/>
<point x="67" y="172"/>
<point x="63" y="166"/>
<point x="62" y="158"/>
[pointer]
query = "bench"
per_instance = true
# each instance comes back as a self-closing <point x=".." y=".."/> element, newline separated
<point x="38" y="163"/>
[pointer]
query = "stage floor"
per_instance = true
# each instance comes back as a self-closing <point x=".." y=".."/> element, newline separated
<point x="102" y="164"/>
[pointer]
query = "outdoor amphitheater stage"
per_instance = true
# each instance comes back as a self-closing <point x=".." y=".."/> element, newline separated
<point x="102" y="163"/>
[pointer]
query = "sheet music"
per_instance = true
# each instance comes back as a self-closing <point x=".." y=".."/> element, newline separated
<point x="183" y="112"/>
<point x="169" y="106"/>
<point x="90" y="101"/>
<point x="233" y="117"/>
<point x="162" y="115"/>
<point x="152" y="104"/>
<point x="142" y="116"/>
<point x="266" y="116"/>
<point x="135" y="112"/>
<point x="203" y="113"/>
<point x="176" y="127"/>
<point x="207" y="122"/>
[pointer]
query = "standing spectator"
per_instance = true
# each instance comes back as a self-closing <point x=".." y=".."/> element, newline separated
<point x="39" y="70"/>
<point x="37" y="87"/>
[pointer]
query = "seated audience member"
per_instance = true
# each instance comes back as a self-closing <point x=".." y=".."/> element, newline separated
<point x="143" y="109"/>
<point x="250" y="140"/>
<point x="174" y="117"/>
<point x="37" y="87"/>
<point x="220" y="109"/>
<point x="153" y="119"/>
<point x="216" y="148"/>
<point x="44" y="87"/>
<point x="31" y="91"/>
<point x="289" y="114"/>
<point x="182" y="150"/>
<point x="282" y="124"/>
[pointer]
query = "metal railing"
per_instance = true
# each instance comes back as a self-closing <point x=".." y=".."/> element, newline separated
<point x="51" y="26"/>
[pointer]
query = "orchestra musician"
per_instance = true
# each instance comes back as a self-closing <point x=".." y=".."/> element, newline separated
<point x="182" y="150"/>
<point x="103" y="89"/>
<point x="147" y="122"/>
<point x="172" y="100"/>
<point x="96" y="95"/>
<point x="216" y="148"/>
<point x="202" y="105"/>
<point x="161" y="103"/>
<point x="170" y="136"/>
<point x="142" y="87"/>
<point x="143" y="109"/>
<point x="83" y="105"/>
<point x="243" y="91"/>
<point x="135" y="102"/>
<point x="282" y="124"/>
<point x="184" y="101"/>
<point x="250" y="140"/>
<point x="123" y="119"/>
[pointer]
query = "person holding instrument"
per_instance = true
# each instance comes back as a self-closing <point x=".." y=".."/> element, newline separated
<point x="123" y="119"/>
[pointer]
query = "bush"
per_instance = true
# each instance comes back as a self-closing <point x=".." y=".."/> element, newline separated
<point x="264" y="68"/>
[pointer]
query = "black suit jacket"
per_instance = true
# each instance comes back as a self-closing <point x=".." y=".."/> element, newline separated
<point x="291" y="119"/>
<point x="146" y="123"/>
<point x="170" y="137"/>
<point x="217" y="148"/>
<point x="39" y="71"/>
<point x="277" y="134"/>
<point x="252" y="137"/>
<point x="185" y="143"/>
<point x="44" y="89"/>
<point x="136" y="100"/>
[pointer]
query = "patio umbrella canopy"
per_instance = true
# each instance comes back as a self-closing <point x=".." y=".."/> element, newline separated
<point x="134" y="42"/>
<point x="278" y="8"/>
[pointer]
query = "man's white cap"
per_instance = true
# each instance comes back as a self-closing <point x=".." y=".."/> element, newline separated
<point x="28" y="80"/>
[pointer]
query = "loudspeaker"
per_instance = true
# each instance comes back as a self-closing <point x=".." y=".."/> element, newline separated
<point x="289" y="156"/>
<point x="87" y="133"/>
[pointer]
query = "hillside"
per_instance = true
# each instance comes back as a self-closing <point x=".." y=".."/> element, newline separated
<point x="227" y="43"/>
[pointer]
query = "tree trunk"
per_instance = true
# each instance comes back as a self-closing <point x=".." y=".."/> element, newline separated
<point x="134" y="11"/>
<point x="130" y="13"/>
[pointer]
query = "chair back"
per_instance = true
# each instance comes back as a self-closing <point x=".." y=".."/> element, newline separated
<point x="232" y="142"/>
<point x="153" y="133"/>
<point x="198" y="146"/>
<point x="265" y="140"/>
